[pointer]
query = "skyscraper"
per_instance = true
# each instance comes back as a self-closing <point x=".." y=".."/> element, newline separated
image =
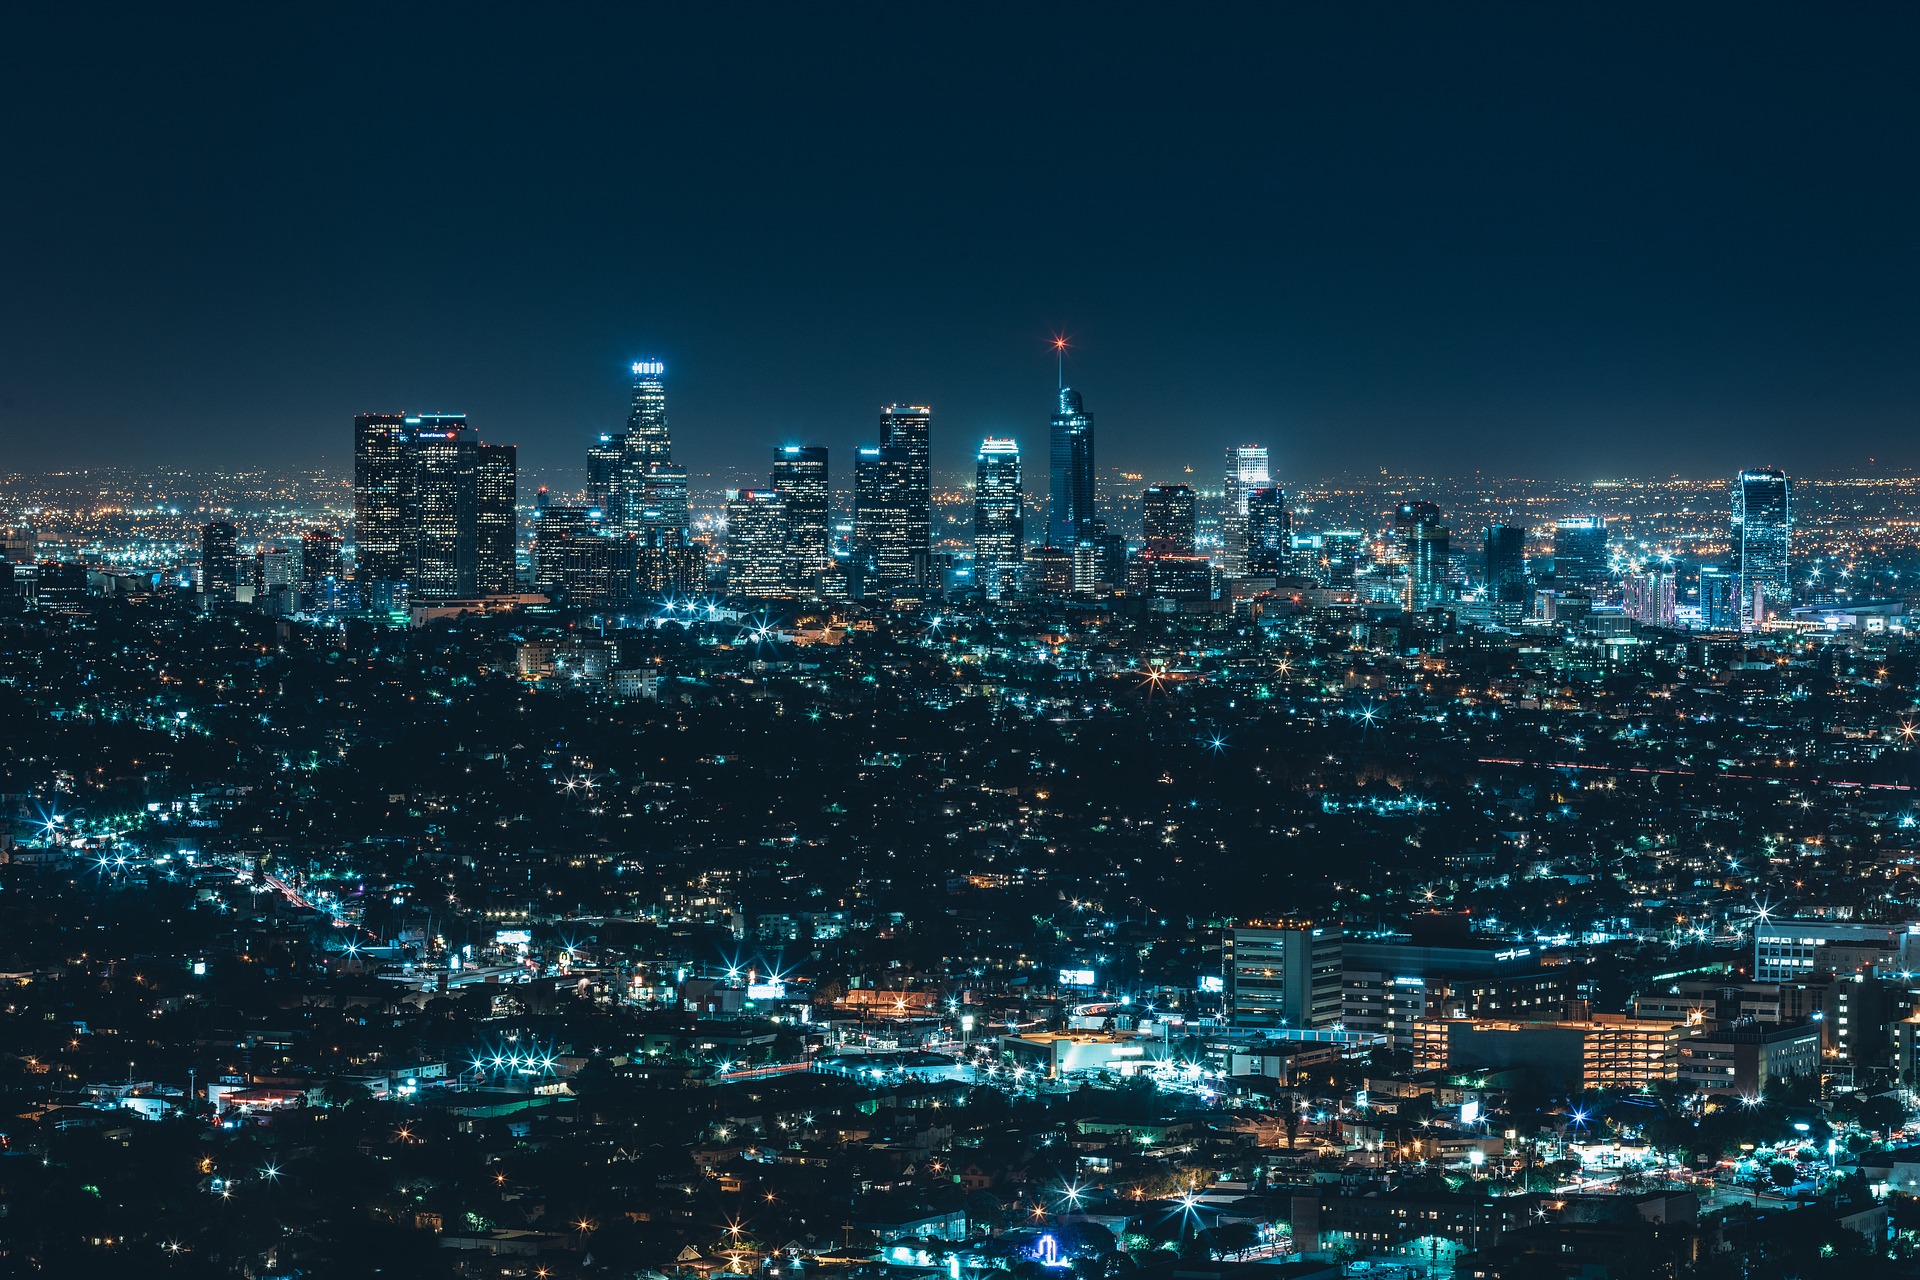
<point x="909" y="429"/>
<point x="603" y="474"/>
<point x="652" y="489"/>
<point x="446" y="458"/>
<point x="219" y="560"/>
<point x="1246" y="471"/>
<point x="1580" y="557"/>
<point x="1505" y="571"/>
<point x="418" y="500"/>
<point x="1762" y="543"/>
<point x="1426" y="542"/>
<point x="883" y="518"/>
<point x="1649" y="598"/>
<point x="496" y="523"/>
<point x="999" y="528"/>
<point x="1283" y="974"/>
<point x="1269" y="546"/>
<point x="757" y="543"/>
<point x="382" y="498"/>
<point x="800" y="477"/>
<point x="1071" y="499"/>
<point x="1167" y="516"/>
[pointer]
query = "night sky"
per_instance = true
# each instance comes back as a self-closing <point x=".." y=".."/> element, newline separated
<point x="1596" y="243"/>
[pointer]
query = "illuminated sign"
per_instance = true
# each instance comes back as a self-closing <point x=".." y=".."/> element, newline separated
<point x="513" y="937"/>
<point x="1076" y="977"/>
<point x="1212" y="982"/>
<point x="648" y="368"/>
<point x="767" y="991"/>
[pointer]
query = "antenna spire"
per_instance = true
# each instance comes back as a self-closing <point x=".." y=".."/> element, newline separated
<point x="1060" y="359"/>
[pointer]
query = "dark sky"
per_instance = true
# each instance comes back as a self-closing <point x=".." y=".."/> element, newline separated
<point x="1551" y="240"/>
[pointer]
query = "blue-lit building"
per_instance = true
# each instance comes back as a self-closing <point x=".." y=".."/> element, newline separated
<point x="999" y="528"/>
<point x="1071" y="500"/>
<point x="1762" y="543"/>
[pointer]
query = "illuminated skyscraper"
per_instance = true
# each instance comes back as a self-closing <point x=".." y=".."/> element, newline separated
<point x="1649" y="598"/>
<point x="999" y="528"/>
<point x="496" y="523"/>
<point x="1269" y="547"/>
<point x="1762" y="543"/>
<point x="757" y="543"/>
<point x="652" y="489"/>
<point x="1167" y="516"/>
<point x="909" y="429"/>
<point x="1071" y="497"/>
<point x="219" y="560"/>
<point x="884" y="519"/>
<point x="382" y="498"/>
<point x="1246" y="471"/>
<point x="1505" y="572"/>
<point x="1426" y="542"/>
<point x="1580" y="557"/>
<point x="445" y="509"/>
<point x="603" y="474"/>
<point x="800" y="477"/>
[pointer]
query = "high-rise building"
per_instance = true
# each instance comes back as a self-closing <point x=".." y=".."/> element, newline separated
<point x="909" y="429"/>
<point x="446" y="458"/>
<point x="1426" y="543"/>
<point x="418" y="499"/>
<point x="800" y="477"/>
<point x="652" y="489"/>
<point x="1246" y="471"/>
<point x="1167" y="516"/>
<point x="1580" y="557"/>
<point x="1762" y="543"/>
<point x="883" y="520"/>
<point x="1719" y="599"/>
<point x="757" y="543"/>
<point x="574" y="561"/>
<point x="1649" y="598"/>
<point x="1269" y="533"/>
<point x="1071" y="498"/>
<point x="219" y="560"/>
<point x="320" y="560"/>
<point x="603" y="474"/>
<point x="999" y="528"/>
<point x="1505" y="572"/>
<point x="1283" y="974"/>
<point x="496" y="520"/>
<point x="382" y="498"/>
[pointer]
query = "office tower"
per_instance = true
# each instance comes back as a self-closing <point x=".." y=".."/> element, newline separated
<point x="1762" y="543"/>
<point x="382" y="498"/>
<point x="757" y="543"/>
<point x="1283" y="974"/>
<point x="999" y="528"/>
<point x="1341" y="552"/>
<point x="1719" y="599"/>
<point x="652" y="489"/>
<point x="1167" y="516"/>
<point x="1246" y="471"/>
<point x="603" y="474"/>
<point x="219" y="560"/>
<point x="1050" y="571"/>
<point x="800" y="477"/>
<point x="1505" y="572"/>
<point x="276" y="580"/>
<point x="1070" y="505"/>
<point x="445" y="508"/>
<point x="1580" y="556"/>
<point x="320" y="560"/>
<point x="576" y="563"/>
<point x="496" y="521"/>
<point x="1649" y="598"/>
<point x="909" y="429"/>
<point x="668" y="564"/>
<point x="1269" y="533"/>
<point x="884" y="519"/>
<point x="1425" y="542"/>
